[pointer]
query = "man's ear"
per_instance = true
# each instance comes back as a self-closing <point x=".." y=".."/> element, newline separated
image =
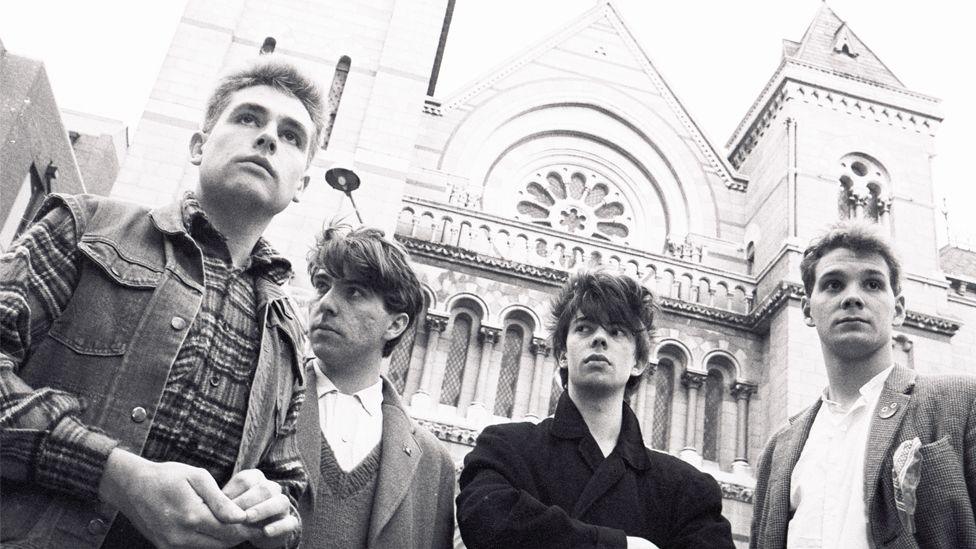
<point x="805" y="307"/>
<point x="638" y="368"/>
<point x="398" y="325"/>
<point x="302" y="185"/>
<point x="900" y="311"/>
<point x="196" y="147"/>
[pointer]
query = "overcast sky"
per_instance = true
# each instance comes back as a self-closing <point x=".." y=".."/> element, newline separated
<point x="102" y="56"/>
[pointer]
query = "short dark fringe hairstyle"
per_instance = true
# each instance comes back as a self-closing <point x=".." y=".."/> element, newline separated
<point x="279" y="74"/>
<point x="365" y="255"/>
<point x="607" y="299"/>
<point x="860" y="237"/>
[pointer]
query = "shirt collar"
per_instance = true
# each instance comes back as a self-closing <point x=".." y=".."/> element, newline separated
<point x="264" y="258"/>
<point x="370" y="398"/>
<point x="870" y="391"/>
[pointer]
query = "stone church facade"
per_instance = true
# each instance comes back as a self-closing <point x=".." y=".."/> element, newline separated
<point x="577" y="154"/>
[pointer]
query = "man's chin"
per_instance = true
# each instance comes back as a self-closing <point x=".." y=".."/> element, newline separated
<point x="594" y="386"/>
<point x="855" y="347"/>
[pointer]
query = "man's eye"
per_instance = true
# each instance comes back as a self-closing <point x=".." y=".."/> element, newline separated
<point x="874" y="285"/>
<point x="618" y="332"/>
<point x="247" y="118"/>
<point x="832" y="285"/>
<point x="582" y="328"/>
<point x="292" y="137"/>
<point x="355" y="292"/>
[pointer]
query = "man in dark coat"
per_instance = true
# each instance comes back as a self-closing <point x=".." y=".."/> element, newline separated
<point x="583" y="478"/>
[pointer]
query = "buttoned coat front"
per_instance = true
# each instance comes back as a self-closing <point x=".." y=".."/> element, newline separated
<point x="413" y="506"/>
<point x="549" y="485"/>
<point x="941" y="412"/>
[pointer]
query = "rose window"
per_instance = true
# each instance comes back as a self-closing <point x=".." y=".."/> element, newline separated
<point x="575" y="203"/>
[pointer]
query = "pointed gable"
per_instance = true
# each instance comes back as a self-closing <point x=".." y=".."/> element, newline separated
<point x="601" y="34"/>
<point x="830" y="43"/>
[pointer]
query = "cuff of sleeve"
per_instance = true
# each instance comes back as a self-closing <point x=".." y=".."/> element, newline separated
<point x="72" y="458"/>
<point x="607" y="538"/>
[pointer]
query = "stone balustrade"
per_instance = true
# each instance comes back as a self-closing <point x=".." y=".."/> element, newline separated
<point x="540" y="246"/>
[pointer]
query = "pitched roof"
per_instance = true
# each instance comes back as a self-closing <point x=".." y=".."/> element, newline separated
<point x="830" y="43"/>
<point x="604" y="17"/>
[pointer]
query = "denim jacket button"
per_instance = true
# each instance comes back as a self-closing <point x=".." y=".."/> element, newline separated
<point x="139" y="414"/>
<point x="178" y="323"/>
<point x="97" y="527"/>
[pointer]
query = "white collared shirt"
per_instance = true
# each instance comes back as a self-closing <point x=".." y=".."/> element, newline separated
<point x="827" y="484"/>
<point x="352" y="424"/>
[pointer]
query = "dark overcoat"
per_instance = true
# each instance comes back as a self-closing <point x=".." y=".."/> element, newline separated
<point x="548" y="485"/>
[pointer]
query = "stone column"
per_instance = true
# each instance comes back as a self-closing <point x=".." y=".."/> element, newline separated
<point x="540" y="349"/>
<point x="741" y="392"/>
<point x="693" y="381"/>
<point x="479" y="408"/>
<point x="640" y="398"/>
<point x="884" y="213"/>
<point x="435" y="325"/>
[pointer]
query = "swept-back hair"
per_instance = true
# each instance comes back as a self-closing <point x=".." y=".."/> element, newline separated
<point x="366" y="256"/>
<point x="606" y="299"/>
<point x="279" y="74"/>
<point x="860" y="237"/>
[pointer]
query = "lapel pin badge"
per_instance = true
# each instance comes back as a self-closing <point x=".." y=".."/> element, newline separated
<point x="888" y="410"/>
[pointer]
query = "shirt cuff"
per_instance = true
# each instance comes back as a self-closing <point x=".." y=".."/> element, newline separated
<point x="72" y="458"/>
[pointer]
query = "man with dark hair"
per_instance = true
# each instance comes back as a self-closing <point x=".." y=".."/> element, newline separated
<point x="377" y="479"/>
<point x="150" y="378"/>
<point x="584" y="478"/>
<point x="885" y="457"/>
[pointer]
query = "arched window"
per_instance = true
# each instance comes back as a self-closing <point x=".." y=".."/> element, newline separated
<point x="400" y="359"/>
<point x="863" y="188"/>
<point x="554" y="393"/>
<point x="663" y="396"/>
<point x="714" y="388"/>
<point x="457" y="356"/>
<point x="512" y="344"/>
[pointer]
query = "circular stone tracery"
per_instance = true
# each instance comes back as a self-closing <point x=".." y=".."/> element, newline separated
<point x="568" y="199"/>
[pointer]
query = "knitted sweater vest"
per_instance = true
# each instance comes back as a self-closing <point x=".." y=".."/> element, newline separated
<point x="344" y="503"/>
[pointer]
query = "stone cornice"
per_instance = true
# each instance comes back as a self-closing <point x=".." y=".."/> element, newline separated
<point x="736" y="492"/>
<point x="755" y="321"/>
<point x="777" y="79"/>
<point x="792" y="89"/>
<point x="931" y="323"/>
<point x="545" y="275"/>
<point x="448" y="432"/>
<point x="432" y="107"/>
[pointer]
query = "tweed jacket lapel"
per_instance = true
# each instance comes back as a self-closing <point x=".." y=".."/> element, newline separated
<point x="785" y="456"/>
<point x="309" y="437"/>
<point x="399" y="457"/>
<point x="885" y="426"/>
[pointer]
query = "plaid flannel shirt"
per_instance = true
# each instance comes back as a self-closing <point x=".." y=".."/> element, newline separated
<point x="205" y="399"/>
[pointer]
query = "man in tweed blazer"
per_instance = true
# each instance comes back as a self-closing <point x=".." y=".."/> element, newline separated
<point x="377" y="478"/>
<point x="886" y="458"/>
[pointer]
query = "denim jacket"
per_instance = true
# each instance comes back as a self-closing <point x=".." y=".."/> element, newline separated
<point x="139" y="290"/>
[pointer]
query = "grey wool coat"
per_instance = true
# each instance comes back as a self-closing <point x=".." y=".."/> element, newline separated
<point x="413" y="506"/>
<point x="941" y="412"/>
